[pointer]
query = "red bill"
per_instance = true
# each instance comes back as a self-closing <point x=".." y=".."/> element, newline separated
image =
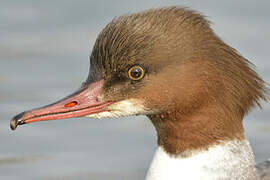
<point x="81" y="103"/>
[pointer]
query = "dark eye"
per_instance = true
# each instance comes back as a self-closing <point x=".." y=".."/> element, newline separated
<point x="136" y="72"/>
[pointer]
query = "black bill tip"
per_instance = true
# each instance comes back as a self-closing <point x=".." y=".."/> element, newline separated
<point x="17" y="120"/>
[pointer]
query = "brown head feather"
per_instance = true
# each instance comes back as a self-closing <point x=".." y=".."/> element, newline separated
<point x="199" y="87"/>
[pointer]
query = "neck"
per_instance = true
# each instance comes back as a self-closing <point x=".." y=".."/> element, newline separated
<point x="227" y="160"/>
<point x="206" y="144"/>
<point x="178" y="132"/>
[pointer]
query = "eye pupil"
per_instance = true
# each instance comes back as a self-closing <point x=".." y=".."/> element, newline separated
<point x="136" y="72"/>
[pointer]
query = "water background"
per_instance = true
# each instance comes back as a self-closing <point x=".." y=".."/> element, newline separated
<point x="44" y="48"/>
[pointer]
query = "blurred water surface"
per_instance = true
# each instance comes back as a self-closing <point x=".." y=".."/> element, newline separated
<point x="44" y="48"/>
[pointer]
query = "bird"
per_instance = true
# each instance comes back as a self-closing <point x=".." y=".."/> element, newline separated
<point x="168" y="64"/>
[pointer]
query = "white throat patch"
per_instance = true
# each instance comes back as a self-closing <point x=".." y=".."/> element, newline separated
<point x="232" y="160"/>
<point x="123" y="108"/>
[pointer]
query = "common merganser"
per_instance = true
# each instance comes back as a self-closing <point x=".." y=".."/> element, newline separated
<point x="169" y="65"/>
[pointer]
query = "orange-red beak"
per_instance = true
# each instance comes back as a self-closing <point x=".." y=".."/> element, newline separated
<point x="81" y="103"/>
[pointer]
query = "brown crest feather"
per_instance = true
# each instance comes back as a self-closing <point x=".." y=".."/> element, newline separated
<point x="199" y="87"/>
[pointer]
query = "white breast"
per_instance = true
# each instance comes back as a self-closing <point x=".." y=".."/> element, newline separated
<point x="230" y="160"/>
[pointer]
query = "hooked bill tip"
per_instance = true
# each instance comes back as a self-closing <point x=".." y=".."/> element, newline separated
<point x="17" y="120"/>
<point x="13" y="124"/>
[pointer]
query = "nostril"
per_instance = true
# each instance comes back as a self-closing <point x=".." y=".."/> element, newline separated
<point x="71" y="104"/>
